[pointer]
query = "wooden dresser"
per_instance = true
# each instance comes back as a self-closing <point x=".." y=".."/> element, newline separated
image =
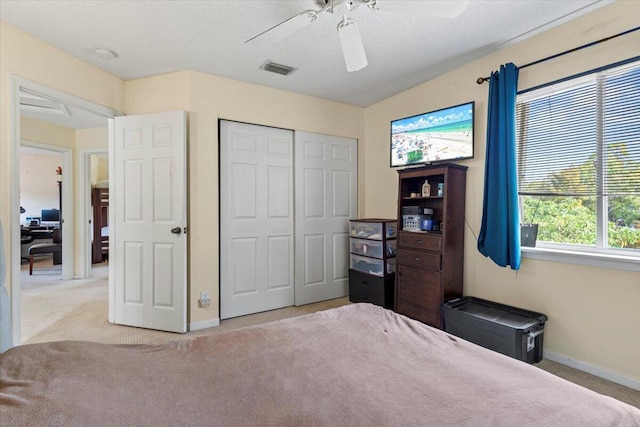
<point x="100" y="203"/>
<point x="429" y="264"/>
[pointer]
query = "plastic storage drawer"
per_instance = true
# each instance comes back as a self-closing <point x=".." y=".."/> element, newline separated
<point x="373" y="230"/>
<point x="512" y="331"/>
<point x="372" y="265"/>
<point x="372" y="248"/>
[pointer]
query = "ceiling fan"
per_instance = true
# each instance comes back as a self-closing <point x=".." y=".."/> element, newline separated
<point x="348" y="33"/>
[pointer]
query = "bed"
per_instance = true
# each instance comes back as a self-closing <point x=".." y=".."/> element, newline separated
<point x="357" y="365"/>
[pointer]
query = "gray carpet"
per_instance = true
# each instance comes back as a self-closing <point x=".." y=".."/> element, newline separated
<point x="56" y="310"/>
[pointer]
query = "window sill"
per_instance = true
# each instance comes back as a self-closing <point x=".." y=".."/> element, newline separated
<point x="617" y="262"/>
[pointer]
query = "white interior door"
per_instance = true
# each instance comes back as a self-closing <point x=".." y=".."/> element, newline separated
<point x="149" y="210"/>
<point x="326" y="177"/>
<point x="256" y="219"/>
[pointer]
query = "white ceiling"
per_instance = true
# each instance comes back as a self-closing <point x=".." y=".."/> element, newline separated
<point x="403" y="49"/>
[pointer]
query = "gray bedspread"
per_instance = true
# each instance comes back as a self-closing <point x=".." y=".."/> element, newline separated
<point x="358" y="365"/>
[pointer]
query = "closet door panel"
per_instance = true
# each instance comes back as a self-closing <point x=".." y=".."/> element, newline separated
<point x="256" y="219"/>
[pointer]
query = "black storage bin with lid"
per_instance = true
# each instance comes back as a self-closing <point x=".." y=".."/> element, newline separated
<point x="512" y="331"/>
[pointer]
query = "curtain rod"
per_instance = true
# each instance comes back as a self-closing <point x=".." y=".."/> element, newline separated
<point x="486" y="79"/>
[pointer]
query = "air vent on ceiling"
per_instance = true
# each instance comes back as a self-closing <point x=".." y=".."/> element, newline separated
<point x="284" y="70"/>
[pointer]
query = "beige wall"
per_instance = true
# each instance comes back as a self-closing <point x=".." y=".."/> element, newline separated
<point x="90" y="139"/>
<point x="93" y="139"/>
<point x="38" y="183"/>
<point x="210" y="98"/>
<point x="40" y="169"/>
<point x="594" y="313"/>
<point x="44" y="133"/>
<point x="26" y="57"/>
<point x="102" y="169"/>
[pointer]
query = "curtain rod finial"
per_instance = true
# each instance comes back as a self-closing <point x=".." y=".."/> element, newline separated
<point x="482" y="80"/>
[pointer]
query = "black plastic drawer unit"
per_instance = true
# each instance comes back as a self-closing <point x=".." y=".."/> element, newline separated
<point x="508" y="330"/>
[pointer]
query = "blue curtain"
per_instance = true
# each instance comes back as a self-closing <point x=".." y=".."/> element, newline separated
<point x="499" y="237"/>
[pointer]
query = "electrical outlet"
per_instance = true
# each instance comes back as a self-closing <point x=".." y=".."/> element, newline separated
<point x="205" y="299"/>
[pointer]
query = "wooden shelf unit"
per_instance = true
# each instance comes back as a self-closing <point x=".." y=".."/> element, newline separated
<point x="100" y="203"/>
<point x="429" y="265"/>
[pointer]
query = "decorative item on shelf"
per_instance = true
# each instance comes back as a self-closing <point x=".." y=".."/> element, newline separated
<point x="426" y="189"/>
<point x="412" y="222"/>
<point x="440" y="189"/>
<point x="426" y="223"/>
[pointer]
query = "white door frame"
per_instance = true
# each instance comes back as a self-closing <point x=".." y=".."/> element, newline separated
<point x="84" y="213"/>
<point x="16" y="84"/>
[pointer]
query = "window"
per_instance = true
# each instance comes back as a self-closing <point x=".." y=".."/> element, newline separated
<point x="578" y="148"/>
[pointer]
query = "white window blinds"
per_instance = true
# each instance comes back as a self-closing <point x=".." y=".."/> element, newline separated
<point x="581" y="137"/>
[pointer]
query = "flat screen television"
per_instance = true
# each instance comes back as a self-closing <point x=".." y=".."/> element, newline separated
<point x="437" y="136"/>
<point x="50" y="215"/>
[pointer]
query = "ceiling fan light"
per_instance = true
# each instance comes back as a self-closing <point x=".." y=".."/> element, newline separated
<point x="352" y="48"/>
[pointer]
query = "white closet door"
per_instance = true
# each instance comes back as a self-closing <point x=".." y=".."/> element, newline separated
<point x="326" y="199"/>
<point x="256" y="219"/>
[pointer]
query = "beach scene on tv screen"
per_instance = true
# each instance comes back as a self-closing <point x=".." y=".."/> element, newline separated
<point x="441" y="135"/>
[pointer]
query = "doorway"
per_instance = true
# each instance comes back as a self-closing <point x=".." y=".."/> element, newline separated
<point x="42" y="198"/>
<point x="93" y="185"/>
<point x="44" y="106"/>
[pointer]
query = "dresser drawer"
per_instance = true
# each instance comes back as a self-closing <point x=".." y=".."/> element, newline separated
<point x="374" y="290"/>
<point x="432" y="242"/>
<point x="430" y="260"/>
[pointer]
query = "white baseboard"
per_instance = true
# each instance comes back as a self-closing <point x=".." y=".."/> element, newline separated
<point x="203" y="325"/>
<point x="598" y="372"/>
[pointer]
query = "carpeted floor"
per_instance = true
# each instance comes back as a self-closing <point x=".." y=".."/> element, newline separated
<point x="55" y="310"/>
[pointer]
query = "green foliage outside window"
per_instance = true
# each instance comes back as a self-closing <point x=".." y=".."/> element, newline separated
<point x="572" y="220"/>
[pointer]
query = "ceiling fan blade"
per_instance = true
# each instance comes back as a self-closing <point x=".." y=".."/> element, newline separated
<point x="286" y="28"/>
<point x="441" y="8"/>
<point x="352" y="48"/>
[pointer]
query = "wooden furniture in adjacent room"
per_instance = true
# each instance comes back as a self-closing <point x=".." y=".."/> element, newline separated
<point x="373" y="251"/>
<point x="429" y="263"/>
<point x="100" y="245"/>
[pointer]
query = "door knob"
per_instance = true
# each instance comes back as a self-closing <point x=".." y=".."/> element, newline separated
<point x="176" y="230"/>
